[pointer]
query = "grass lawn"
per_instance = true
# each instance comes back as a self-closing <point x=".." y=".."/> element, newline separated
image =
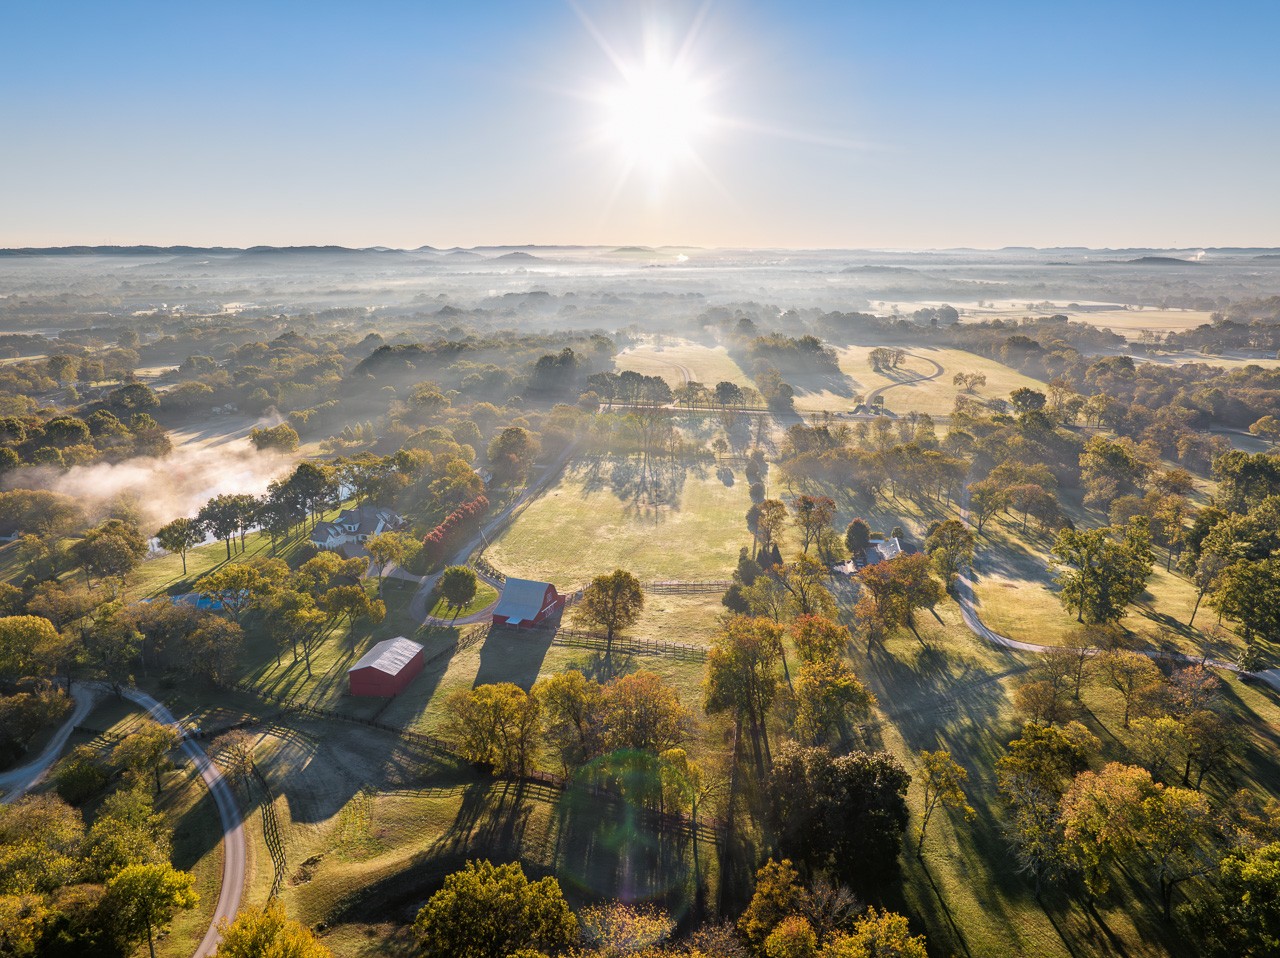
<point x="935" y="396"/>
<point x="590" y="522"/>
<point x="524" y="657"/>
<point x="1016" y="597"/>
<point x="679" y="360"/>
<point x="371" y="827"/>
<point x="486" y="595"/>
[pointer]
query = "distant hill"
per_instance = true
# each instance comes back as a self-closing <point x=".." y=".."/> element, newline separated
<point x="878" y="269"/>
<point x="463" y="254"/>
<point x="1160" y="261"/>
<point x="519" y="255"/>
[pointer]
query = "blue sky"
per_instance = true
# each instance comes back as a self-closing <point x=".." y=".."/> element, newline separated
<point x="907" y="124"/>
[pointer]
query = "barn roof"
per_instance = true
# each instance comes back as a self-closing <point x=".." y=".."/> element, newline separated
<point x="521" y="600"/>
<point x="389" y="656"/>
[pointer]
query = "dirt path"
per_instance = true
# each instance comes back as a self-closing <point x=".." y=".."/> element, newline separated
<point x="881" y="390"/>
<point x="16" y="782"/>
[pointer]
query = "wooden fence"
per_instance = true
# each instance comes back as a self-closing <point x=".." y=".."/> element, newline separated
<point x="271" y="830"/>
<point x="675" y="587"/>
<point x="583" y="639"/>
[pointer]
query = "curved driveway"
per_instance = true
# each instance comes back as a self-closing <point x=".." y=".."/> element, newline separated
<point x="18" y="781"/>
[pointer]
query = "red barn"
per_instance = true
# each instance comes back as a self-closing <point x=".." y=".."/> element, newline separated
<point x="387" y="668"/>
<point x="526" y="604"/>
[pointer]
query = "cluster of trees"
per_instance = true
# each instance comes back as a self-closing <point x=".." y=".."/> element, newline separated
<point x="577" y="721"/>
<point x="100" y="890"/>
<point x="494" y="911"/>
<point x="66" y="440"/>
<point x="805" y="354"/>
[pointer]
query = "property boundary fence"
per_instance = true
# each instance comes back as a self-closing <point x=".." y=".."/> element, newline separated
<point x="697" y="587"/>
<point x="271" y="830"/>
<point x="582" y="639"/>
<point x="706" y="827"/>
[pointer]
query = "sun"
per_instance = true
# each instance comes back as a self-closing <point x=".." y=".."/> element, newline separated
<point x="656" y="115"/>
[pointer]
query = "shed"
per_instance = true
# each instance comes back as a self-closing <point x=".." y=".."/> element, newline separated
<point x="526" y="603"/>
<point x="387" y="668"/>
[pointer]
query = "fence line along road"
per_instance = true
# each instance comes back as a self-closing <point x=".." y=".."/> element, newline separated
<point x="692" y="587"/>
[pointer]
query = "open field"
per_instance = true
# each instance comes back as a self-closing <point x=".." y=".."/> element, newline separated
<point x="590" y="522"/>
<point x="1015" y="596"/>
<point x="904" y="389"/>
<point x="679" y="361"/>
<point x="1129" y="321"/>
<point x="371" y="826"/>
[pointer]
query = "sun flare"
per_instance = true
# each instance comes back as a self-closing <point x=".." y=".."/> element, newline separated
<point x="655" y="116"/>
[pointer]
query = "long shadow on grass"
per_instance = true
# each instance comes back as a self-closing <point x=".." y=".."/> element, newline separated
<point x="512" y="656"/>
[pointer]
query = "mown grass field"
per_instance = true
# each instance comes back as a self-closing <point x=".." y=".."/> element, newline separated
<point x="902" y="393"/>
<point x="372" y="826"/>
<point x="485" y="596"/>
<point x="678" y="361"/>
<point x="590" y="522"/>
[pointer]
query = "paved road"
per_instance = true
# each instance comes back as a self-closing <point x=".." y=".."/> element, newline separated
<point x="233" y="844"/>
<point x="16" y="782"/>
<point x="969" y="612"/>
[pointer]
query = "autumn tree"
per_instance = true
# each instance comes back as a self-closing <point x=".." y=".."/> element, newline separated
<point x="1101" y="571"/>
<point x="495" y="725"/>
<point x="742" y="675"/>
<point x="493" y="911"/>
<point x="146" y="750"/>
<point x="268" y="932"/>
<point x="812" y="515"/>
<point x="950" y="545"/>
<point x="391" y="548"/>
<point x="612" y="603"/>
<point x="142" y="898"/>
<point x="1133" y="675"/>
<point x="942" y="780"/>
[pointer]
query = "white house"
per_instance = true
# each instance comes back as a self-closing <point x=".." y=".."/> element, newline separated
<point x="354" y="526"/>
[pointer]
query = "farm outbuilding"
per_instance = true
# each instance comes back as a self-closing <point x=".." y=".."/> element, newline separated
<point x="387" y="668"/>
<point x="526" y="603"/>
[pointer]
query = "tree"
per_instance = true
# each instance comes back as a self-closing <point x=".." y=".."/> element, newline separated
<point x="386" y="548"/>
<point x="180" y="536"/>
<point x="351" y="602"/>
<point x="22" y="638"/>
<point x="234" y="588"/>
<point x="146" y="749"/>
<point x="1249" y="592"/>
<point x="857" y="536"/>
<point x="813" y="514"/>
<point x="878" y="934"/>
<point x="899" y="586"/>
<point x="144" y="897"/>
<point x="40" y="842"/>
<point x="765" y="521"/>
<point x="126" y="831"/>
<point x="267" y="932"/>
<point x="828" y="697"/>
<point x="804" y="580"/>
<point x="1033" y="777"/>
<point x="844" y="814"/>
<point x="572" y="709"/>
<point x="778" y="894"/>
<point x="221" y="517"/>
<point x="793" y="938"/>
<point x="495" y="725"/>
<point x="943" y="783"/>
<point x="742" y="674"/>
<point x="512" y="452"/>
<point x="615" y="930"/>
<point x="642" y="713"/>
<point x="612" y="603"/>
<point x="1133" y="675"/>
<point x="112" y="549"/>
<point x="1101" y="574"/>
<point x="1242" y="918"/>
<point x="986" y="498"/>
<point x="493" y="911"/>
<point x="817" y="638"/>
<point x="950" y="546"/>
<point x="282" y="437"/>
<point x="458" y="585"/>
